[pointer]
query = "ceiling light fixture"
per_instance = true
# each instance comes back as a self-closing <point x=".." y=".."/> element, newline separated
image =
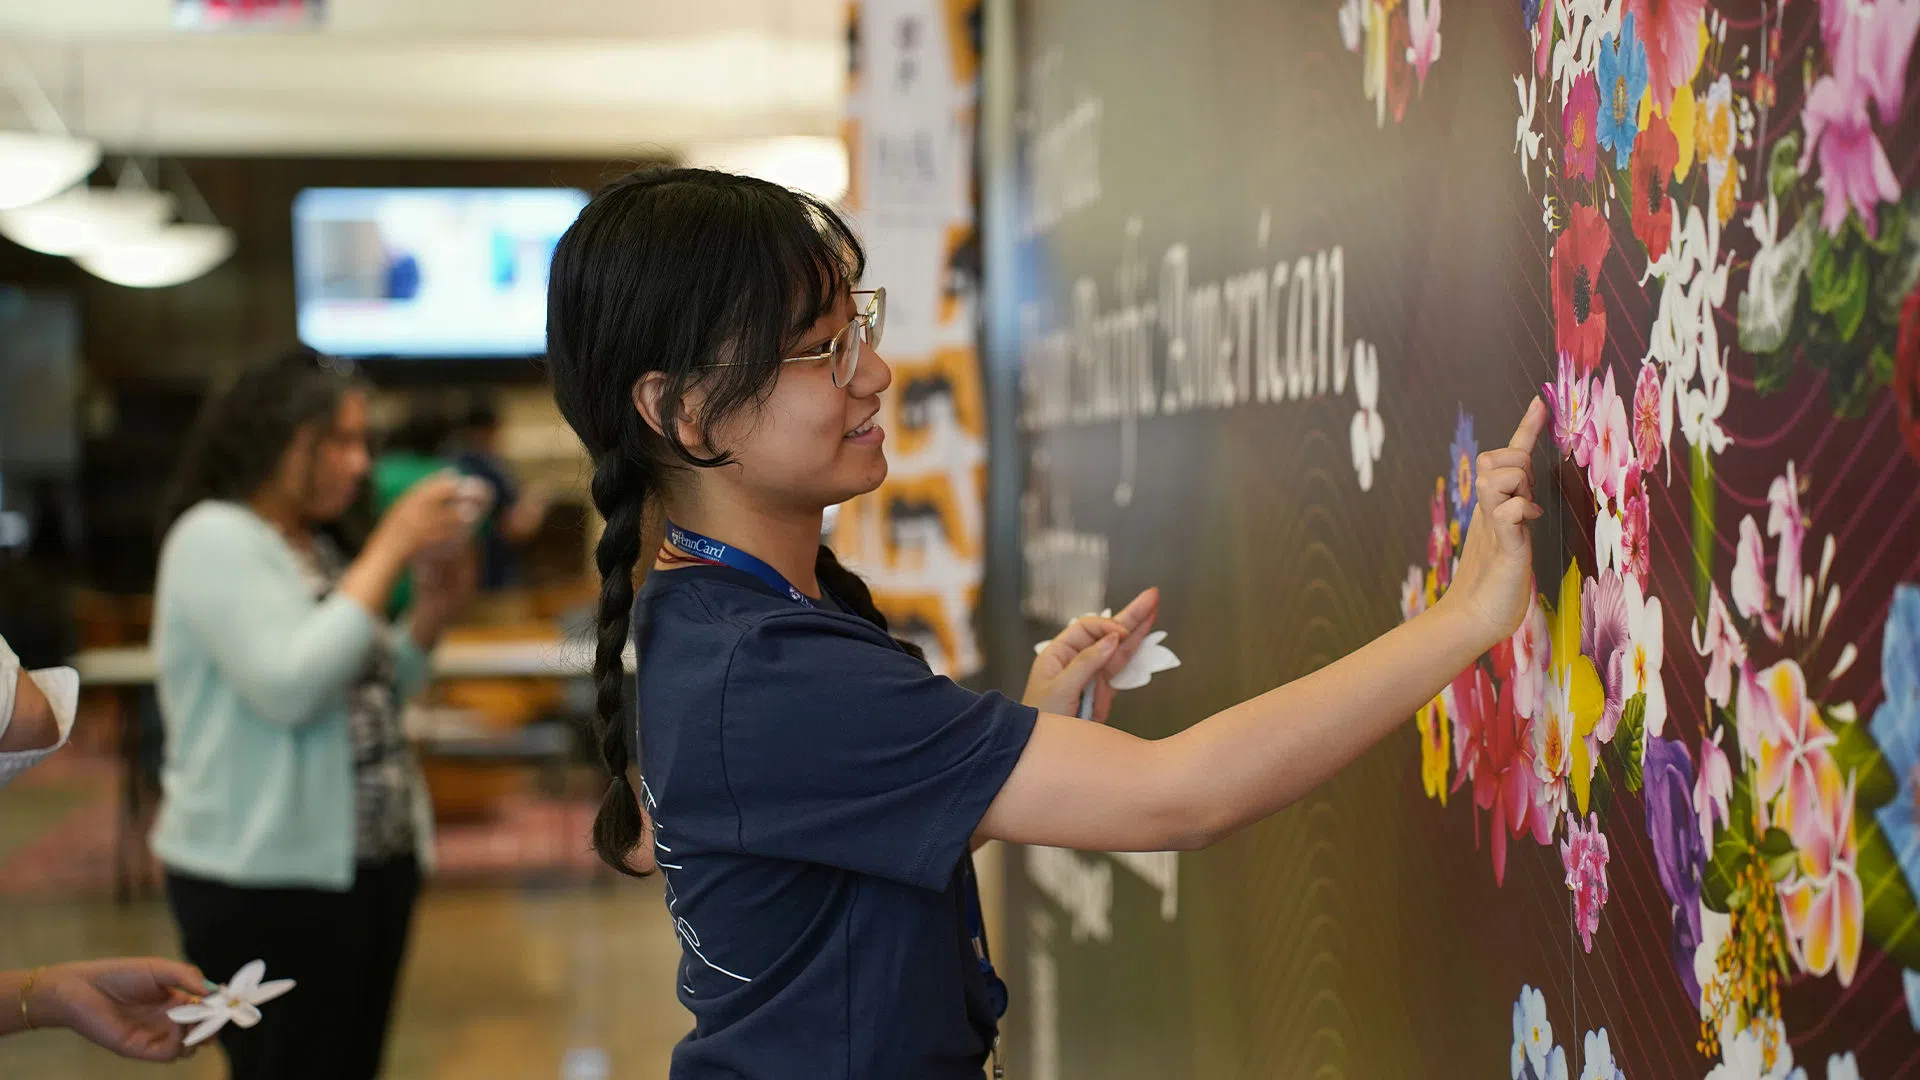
<point x="81" y="219"/>
<point x="171" y="255"/>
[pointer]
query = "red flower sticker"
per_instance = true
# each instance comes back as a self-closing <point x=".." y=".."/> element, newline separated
<point x="1579" y="311"/>
<point x="1654" y="155"/>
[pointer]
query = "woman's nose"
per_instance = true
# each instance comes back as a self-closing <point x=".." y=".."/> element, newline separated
<point x="872" y="375"/>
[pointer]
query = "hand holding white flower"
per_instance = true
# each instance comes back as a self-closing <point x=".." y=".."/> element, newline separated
<point x="238" y="1001"/>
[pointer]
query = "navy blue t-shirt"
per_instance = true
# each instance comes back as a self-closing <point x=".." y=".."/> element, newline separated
<point x="814" y="789"/>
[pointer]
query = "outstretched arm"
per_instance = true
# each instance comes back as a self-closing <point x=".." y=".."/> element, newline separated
<point x="1087" y="786"/>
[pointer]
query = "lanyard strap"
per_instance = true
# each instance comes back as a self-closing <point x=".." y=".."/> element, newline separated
<point x="711" y="550"/>
<point x="977" y="931"/>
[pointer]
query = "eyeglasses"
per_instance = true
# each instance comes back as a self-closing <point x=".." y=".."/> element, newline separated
<point x="844" y="350"/>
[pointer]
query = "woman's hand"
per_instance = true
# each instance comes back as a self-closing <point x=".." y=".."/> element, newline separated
<point x="118" y="1004"/>
<point x="1491" y="587"/>
<point x="1089" y="649"/>
<point x="433" y="513"/>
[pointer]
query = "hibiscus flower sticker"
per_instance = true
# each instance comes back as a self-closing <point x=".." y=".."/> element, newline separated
<point x="1623" y="79"/>
<point x="1654" y="157"/>
<point x="1579" y="311"/>
<point x="1583" y="854"/>
<point x="1612" y="450"/>
<point x="1669" y="31"/>
<point x="1578" y="120"/>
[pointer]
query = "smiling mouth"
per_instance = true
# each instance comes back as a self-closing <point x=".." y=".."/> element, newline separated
<point x="863" y="428"/>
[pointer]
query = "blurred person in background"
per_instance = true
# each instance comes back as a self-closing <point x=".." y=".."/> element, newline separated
<point x="120" y="1003"/>
<point x="518" y="511"/>
<point x="294" y="822"/>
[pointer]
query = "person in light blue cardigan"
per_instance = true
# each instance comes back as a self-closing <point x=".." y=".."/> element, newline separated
<point x="293" y="823"/>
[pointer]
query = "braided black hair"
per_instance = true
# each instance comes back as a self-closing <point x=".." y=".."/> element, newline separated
<point x="244" y="429"/>
<point x="671" y="271"/>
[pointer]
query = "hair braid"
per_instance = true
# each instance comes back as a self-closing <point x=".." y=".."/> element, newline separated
<point x="619" y="493"/>
<point x="851" y="590"/>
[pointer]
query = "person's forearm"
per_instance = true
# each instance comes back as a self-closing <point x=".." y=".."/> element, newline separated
<point x="34" y="726"/>
<point x="12" y="983"/>
<point x="370" y="580"/>
<point x="1258" y="757"/>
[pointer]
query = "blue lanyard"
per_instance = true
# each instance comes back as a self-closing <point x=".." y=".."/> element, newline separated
<point x="710" y="550"/>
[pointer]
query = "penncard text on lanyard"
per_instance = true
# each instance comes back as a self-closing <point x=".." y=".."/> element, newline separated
<point x="706" y="547"/>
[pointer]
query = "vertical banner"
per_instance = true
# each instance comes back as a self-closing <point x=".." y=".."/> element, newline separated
<point x="918" y="540"/>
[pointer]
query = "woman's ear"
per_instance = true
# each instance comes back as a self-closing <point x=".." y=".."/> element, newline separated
<point x="647" y="391"/>
<point x="648" y="395"/>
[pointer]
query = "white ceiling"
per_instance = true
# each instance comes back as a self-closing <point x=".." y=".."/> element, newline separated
<point x="426" y="77"/>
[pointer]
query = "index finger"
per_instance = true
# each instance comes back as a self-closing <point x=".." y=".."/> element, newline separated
<point x="1528" y="432"/>
<point x="176" y="975"/>
<point x="1141" y="610"/>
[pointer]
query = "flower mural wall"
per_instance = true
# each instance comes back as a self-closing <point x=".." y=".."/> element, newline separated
<point x="1781" y="830"/>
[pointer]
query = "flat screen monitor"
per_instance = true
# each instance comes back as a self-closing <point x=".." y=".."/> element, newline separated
<point x="446" y="273"/>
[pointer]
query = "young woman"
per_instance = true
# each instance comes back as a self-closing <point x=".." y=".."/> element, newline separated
<point x="812" y="790"/>
<point x="293" y="815"/>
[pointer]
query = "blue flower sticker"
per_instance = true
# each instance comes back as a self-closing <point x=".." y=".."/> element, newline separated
<point x="1460" y="473"/>
<point x="1623" y="79"/>
<point x="1896" y="727"/>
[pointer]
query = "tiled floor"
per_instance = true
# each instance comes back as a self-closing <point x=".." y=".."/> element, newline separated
<point x="501" y="982"/>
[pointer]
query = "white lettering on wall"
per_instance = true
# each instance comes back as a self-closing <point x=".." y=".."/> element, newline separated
<point x="1268" y="335"/>
<point x="1063" y="148"/>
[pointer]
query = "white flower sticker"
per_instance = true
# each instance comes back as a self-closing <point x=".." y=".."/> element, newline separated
<point x="1152" y="659"/>
<point x="1368" y="433"/>
<point x="238" y="1001"/>
<point x="1526" y="141"/>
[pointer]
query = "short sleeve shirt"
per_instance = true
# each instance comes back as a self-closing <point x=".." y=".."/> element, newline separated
<point x="814" y="790"/>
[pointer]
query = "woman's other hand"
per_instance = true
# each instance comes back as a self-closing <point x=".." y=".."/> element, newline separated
<point x="433" y="513"/>
<point x="1091" y="649"/>
<point x="119" y="1004"/>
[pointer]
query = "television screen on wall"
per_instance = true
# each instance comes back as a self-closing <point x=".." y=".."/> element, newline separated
<point x="427" y="272"/>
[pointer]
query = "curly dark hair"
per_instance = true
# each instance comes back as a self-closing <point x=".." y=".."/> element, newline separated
<point x="245" y="428"/>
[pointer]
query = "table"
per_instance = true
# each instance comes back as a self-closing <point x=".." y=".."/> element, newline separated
<point x="134" y="665"/>
<point x="131" y="669"/>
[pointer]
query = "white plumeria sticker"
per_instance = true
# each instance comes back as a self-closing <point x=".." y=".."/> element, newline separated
<point x="1367" y="433"/>
<point x="1152" y="659"/>
<point x="238" y="1001"/>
